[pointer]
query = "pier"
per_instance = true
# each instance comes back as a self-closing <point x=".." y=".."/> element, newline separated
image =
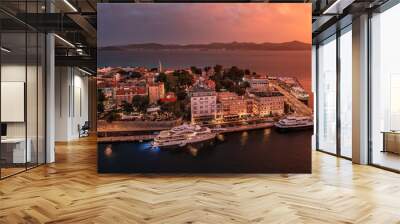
<point x="132" y="138"/>
<point x="147" y="137"/>
<point x="291" y="100"/>
<point x="247" y="127"/>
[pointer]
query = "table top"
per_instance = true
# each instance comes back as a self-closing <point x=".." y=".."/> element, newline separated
<point x="391" y="132"/>
<point x="13" y="140"/>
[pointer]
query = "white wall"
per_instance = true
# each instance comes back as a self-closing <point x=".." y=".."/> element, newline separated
<point x="11" y="73"/>
<point x="17" y="73"/>
<point x="71" y="102"/>
<point x="33" y="126"/>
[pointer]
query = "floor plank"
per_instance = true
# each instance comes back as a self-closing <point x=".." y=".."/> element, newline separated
<point x="71" y="191"/>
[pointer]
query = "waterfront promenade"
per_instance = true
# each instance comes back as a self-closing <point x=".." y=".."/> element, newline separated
<point x="247" y="127"/>
<point x="135" y="126"/>
<point x="295" y="103"/>
<point x="126" y="138"/>
<point x="146" y="137"/>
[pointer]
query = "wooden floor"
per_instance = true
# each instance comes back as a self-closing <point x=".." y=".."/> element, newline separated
<point x="70" y="191"/>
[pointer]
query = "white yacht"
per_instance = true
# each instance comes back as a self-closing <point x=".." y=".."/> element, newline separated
<point x="299" y="93"/>
<point x="182" y="135"/>
<point x="295" y="123"/>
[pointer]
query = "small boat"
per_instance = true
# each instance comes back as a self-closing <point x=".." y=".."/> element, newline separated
<point x="218" y="130"/>
<point x="183" y="135"/>
<point x="294" y="123"/>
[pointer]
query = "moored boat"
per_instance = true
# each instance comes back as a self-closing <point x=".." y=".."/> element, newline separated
<point x="293" y="123"/>
<point x="183" y="135"/>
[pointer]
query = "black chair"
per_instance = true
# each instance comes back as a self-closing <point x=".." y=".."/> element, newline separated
<point x="84" y="130"/>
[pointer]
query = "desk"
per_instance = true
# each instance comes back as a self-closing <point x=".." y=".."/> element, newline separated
<point x="13" y="150"/>
<point x="391" y="141"/>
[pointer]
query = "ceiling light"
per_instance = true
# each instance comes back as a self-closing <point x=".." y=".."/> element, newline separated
<point x="337" y="7"/>
<point x="70" y="5"/>
<point x="64" y="40"/>
<point x="5" y="50"/>
<point x="84" y="71"/>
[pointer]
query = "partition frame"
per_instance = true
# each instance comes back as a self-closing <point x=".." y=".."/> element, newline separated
<point x="339" y="32"/>
<point x="30" y="29"/>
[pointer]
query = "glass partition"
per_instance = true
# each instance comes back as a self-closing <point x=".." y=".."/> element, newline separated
<point x="13" y="117"/>
<point x="385" y="89"/>
<point x="41" y="97"/>
<point x="326" y="88"/>
<point x="22" y="107"/>
<point x="345" y="92"/>
<point x="31" y="97"/>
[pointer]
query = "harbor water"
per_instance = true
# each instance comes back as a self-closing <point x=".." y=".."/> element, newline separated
<point x="255" y="151"/>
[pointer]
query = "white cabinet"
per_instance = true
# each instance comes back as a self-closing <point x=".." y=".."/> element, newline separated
<point x="19" y="154"/>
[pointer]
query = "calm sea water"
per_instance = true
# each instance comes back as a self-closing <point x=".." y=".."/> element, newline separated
<point x="257" y="151"/>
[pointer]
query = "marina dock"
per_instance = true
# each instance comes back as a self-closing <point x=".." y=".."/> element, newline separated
<point x="148" y="137"/>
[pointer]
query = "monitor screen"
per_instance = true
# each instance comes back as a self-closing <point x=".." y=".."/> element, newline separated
<point x="3" y="129"/>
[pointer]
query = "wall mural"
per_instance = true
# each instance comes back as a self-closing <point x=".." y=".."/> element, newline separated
<point x="204" y="88"/>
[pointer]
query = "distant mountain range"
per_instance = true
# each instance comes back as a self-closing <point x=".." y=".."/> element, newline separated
<point x="291" y="46"/>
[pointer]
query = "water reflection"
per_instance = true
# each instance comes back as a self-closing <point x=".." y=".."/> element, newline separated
<point x="252" y="151"/>
<point x="108" y="150"/>
<point x="146" y="146"/>
<point x="267" y="133"/>
<point x="155" y="149"/>
<point x="244" y="137"/>
<point x="193" y="151"/>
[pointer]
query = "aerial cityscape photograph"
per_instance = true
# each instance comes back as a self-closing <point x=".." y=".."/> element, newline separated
<point x="200" y="88"/>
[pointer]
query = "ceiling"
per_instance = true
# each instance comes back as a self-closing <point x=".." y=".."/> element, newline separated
<point x="75" y="21"/>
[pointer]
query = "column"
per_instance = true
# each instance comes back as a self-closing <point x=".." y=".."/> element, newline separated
<point x="360" y="90"/>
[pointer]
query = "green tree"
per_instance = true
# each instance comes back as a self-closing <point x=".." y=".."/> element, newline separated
<point x="100" y="107"/>
<point x="100" y="101"/>
<point x="183" y="78"/>
<point x="140" y="102"/>
<point x="235" y="74"/>
<point x="135" y="74"/>
<point x="100" y="96"/>
<point x="162" y="77"/>
<point x="244" y="84"/>
<point x="127" y="107"/>
<point x="228" y="84"/>
<point x="217" y="77"/>
<point x="181" y="95"/>
<point x="112" y="116"/>
<point x="195" y="70"/>
<point x="172" y="83"/>
<point x="218" y="69"/>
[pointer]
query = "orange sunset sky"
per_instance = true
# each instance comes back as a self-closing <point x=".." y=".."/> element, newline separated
<point x="188" y="23"/>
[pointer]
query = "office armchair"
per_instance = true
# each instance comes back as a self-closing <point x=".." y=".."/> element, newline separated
<point x="84" y="130"/>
